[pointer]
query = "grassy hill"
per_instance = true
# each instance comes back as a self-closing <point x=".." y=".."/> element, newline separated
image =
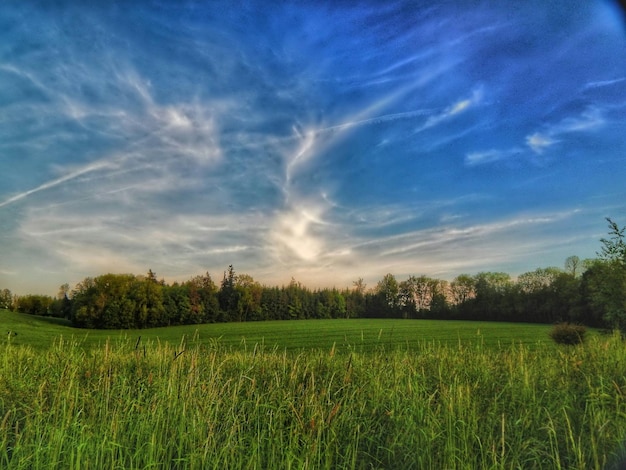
<point x="346" y="335"/>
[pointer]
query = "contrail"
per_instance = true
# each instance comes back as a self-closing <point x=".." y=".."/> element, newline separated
<point x="56" y="182"/>
<point x="377" y="120"/>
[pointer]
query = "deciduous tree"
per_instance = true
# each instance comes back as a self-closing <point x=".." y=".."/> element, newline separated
<point x="604" y="282"/>
<point x="6" y="299"/>
<point x="389" y="289"/>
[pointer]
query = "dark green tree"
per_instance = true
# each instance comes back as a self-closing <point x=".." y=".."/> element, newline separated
<point x="34" y="304"/>
<point x="249" y="306"/>
<point x="604" y="282"/>
<point x="148" y="294"/>
<point x="355" y="299"/>
<point x="492" y="298"/>
<point x="176" y="304"/>
<point x="229" y="296"/>
<point x="389" y="289"/>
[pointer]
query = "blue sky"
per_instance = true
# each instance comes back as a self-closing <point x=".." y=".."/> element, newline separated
<point x="315" y="140"/>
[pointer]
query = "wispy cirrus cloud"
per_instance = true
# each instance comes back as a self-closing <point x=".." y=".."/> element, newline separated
<point x="538" y="142"/>
<point x="588" y="120"/>
<point x="591" y="119"/>
<point x="444" y="251"/>
<point x="490" y="156"/>
<point x="149" y="136"/>
<point x="300" y="231"/>
<point x="97" y="166"/>
<point x="453" y="110"/>
<point x="604" y="83"/>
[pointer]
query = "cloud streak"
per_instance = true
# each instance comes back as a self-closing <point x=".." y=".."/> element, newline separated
<point x="540" y="141"/>
<point x="51" y="184"/>
<point x="451" y="111"/>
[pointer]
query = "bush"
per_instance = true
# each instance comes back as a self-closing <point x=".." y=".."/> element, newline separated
<point x="566" y="333"/>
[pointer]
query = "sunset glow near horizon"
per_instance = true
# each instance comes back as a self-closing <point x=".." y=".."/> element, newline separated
<point x="323" y="143"/>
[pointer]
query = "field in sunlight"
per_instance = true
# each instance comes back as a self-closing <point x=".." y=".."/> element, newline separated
<point x="350" y="335"/>
<point x="308" y="394"/>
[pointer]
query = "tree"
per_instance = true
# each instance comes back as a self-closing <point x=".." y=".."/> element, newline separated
<point x="249" y="305"/>
<point x="462" y="288"/>
<point x="61" y="307"/>
<point x="107" y="301"/>
<point x="566" y="297"/>
<point x="425" y="289"/>
<point x="572" y="265"/>
<point x="389" y="290"/>
<point x="604" y="294"/>
<point x="407" y="298"/>
<point x="417" y="294"/>
<point x="537" y="280"/>
<point x="6" y="299"/>
<point x="492" y="299"/>
<point x="330" y="303"/>
<point x="355" y="299"/>
<point x="271" y="303"/>
<point x="614" y="248"/>
<point x="604" y="282"/>
<point x="229" y="296"/>
<point x="203" y="300"/>
<point x="295" y="300"/>
<point x="359" y="286"/>
<point x="34" y="304"/>
<point x="149" y="298"/>
<point x="539" y="297"/>
<point x="176" y="304"/>
<point x="64" y="290"/>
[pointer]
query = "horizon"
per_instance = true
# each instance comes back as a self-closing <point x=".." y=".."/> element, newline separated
<point x="314" y="142"/>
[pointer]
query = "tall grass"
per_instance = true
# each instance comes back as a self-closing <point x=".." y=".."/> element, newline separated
<point x="134" y="405"/>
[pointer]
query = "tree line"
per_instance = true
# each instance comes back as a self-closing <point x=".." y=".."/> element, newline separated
<point x="590" y="292"/>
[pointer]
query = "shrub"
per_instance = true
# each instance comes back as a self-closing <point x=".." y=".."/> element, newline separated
<point x="566" y="333"/>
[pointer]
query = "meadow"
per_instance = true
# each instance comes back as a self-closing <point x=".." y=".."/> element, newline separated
<point x="362" y="335"/>
<point x="309" y="394"/>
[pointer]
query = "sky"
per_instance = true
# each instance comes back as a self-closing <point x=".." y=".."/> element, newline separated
<point x="319" y="141"/>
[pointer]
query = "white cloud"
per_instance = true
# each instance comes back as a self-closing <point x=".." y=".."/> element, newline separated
<point x="306" y="150"/>
<point x="459" y="107"/>
<point x="92" y="167"/>
<point x="299" y="231"/>
<point x="604" y="83"/>
<point x="450" y="250"/>
<point x="177" y="118"/>
<point x="159" y="141"/>
<point x="590" y="119"/>
<point x="539" y="142"/>
<point x="453" y="110"/>
<point x="92" y="238"/>
<point x="490" y="156"/>
<point x="293" y="231"/>
<point x="442" y="253"/>
<point x="542" y="140"/>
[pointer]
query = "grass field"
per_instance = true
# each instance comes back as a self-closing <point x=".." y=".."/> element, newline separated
<point x="346" y="335"/>
<point x="405" y="394"/>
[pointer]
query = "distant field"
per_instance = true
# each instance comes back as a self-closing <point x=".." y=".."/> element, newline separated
<point x="358" y="335"/>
